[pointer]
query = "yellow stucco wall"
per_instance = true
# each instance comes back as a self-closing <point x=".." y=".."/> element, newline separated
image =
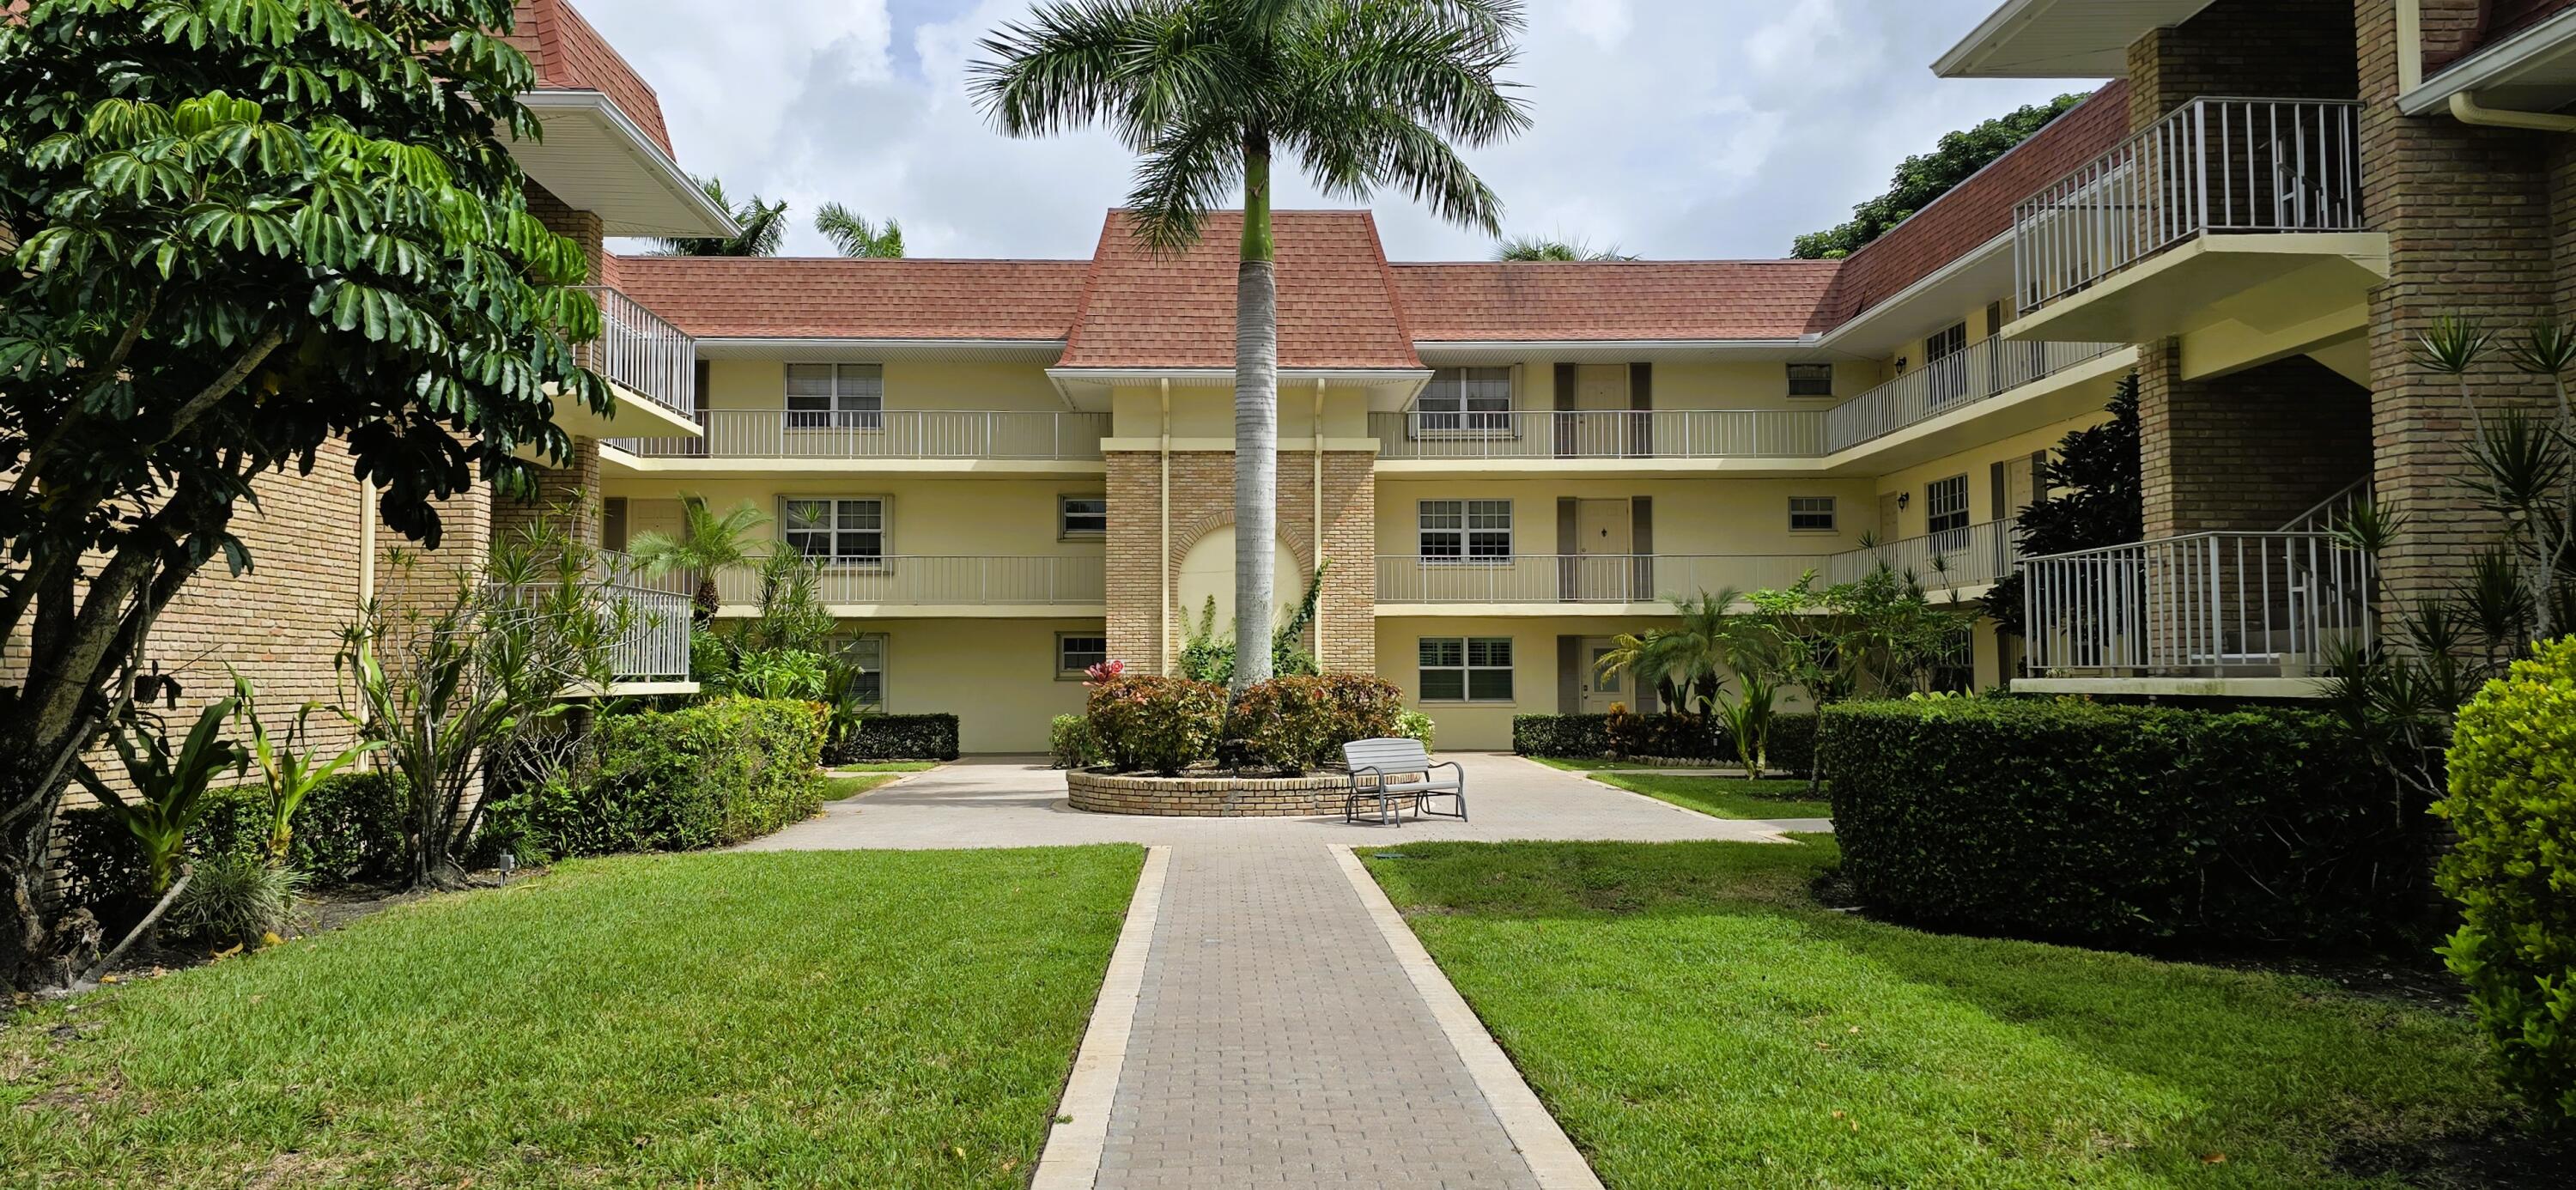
<point x="909" y="384"/>
<point x="1977" y="464"/>
<point x="979" y="516"/>
<point x="1712" y="516"/>
<point x="997" y="676"/>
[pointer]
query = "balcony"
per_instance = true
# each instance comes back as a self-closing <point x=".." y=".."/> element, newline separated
<point x="2246" y="614"/>
<point x="1968" y="378"/>
<point x="1606" y="439"/>
<point x="650" y="363"/>
<point x="925" y="439"/>
<point x="944" y="585"/>
<point x="1572" y="584"/>
<point x="653" y="655"/>
<point x="2227" y="211"/>
<point x="1963" y="562"/>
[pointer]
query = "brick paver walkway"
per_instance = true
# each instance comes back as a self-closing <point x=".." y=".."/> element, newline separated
<point x="1276" y="1043"/>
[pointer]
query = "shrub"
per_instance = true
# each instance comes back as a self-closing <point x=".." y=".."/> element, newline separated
<point x="1299" y="723"/>
<point x="1414" y="725"/>
<point x="1569" y="736"/>
<point x="896" y="737"/>
<point x="1069" y="743"/>
<point x="1666" y="736"/>
<point x="1157" y="723"/>
<point x="349" y="828"/>
<point x="2513" y="802"/>
<point x="723" y="771"/>
<point x="2116" y="824"/>
<point x="233" y="896"/>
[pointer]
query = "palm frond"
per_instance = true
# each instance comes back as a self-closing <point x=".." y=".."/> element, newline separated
<point x="854" y="235"/>
<point x="1181" y="178"/>
<point x="1065" y="66"/>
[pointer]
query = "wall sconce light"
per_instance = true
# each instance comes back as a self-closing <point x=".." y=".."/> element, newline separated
<point x="1904" y="498"/>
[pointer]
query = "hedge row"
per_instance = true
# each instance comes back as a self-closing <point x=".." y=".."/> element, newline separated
<point x="896" y="737"/>
<point x="720" y="772"/>
<point x="349" y="828"/>
<point x="1295" y="723"/>
<point x="1668" y="736"/>
<point x="2118" y="824"/>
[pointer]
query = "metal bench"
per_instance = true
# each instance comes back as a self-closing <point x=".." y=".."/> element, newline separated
<point x="1400" y="769"/>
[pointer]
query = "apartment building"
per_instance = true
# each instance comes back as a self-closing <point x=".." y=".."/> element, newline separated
<point x="1015" y="468"/>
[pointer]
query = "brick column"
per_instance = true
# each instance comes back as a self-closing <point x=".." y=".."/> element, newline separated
<point x="568" y="493"/>
<point x="2245" y="451"/>
<point x="2468" y="212"/>
<point x="2284" y="49"/>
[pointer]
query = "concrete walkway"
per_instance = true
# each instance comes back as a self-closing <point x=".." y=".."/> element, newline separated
<point x="1268" y="1020"/>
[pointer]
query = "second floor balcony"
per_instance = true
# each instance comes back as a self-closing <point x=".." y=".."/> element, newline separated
<point x="942" y="585"/>
<point x="922" y="435"/>
<point x="1601" y="434"/>
<point x="654" y="650"/>
<point x="1962" y="562"/>
<point x="2240" y="613"/>
<point x="1965" y="378"/>
<point x="2227" y="210"/>
<point x="1579" y="584"/>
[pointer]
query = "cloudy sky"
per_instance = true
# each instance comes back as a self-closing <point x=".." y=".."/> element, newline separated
<point x="1672" y="128"/>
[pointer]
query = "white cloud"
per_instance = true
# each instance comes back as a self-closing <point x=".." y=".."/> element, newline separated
<point x="1675" y="128"/>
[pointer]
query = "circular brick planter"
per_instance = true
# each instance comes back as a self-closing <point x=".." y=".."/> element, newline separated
<point x="1207" y="796"/>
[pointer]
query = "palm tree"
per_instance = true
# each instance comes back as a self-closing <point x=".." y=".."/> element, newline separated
<point x="1524" y="248"/>
<point x="763" y="224"/>
<point x="855" y="236"/>
<point x="1362" y="93"/>
<point x="1687" y="663"/>
<point x="707" y="543"/>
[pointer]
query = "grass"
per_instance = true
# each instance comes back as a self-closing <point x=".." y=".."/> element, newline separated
<point x="1601" y="766"/>
<point x="839" y="1018"/>
<point x="1694" y="1018"/>
<point x="839" y="786"/>
<point x="1727" y="797"/>
<point x="886" y="766"/>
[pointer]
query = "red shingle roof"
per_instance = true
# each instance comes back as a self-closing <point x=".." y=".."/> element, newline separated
<point x="830" y="298"/>
<point x="1611" y="300"/>
<point x="1337" y="304"/>
<point x="571" y="56"/>
<point x="2455" y="32"/>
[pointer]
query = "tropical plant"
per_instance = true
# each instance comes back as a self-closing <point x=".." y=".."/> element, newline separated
<point x="1414" y="725"/>
<point x="1715" y="664"/>
<point x="1209" y="657"/>
<point x="1363" y="93"/>
<point x="441" y="687"/>
<point x="289" y="766"/>
<point x="1927" y="176"/>
<point x="238" y="232"/>
<point x="235" y="897"/>
<point x="2091" y="494"/>
<point x="777" y="673"/>
<point x="169" y="787"/>
<point x="1542" y="248"/>
<point x="1154" y="723"/>
<point x="707" y="543"/>
<point x="760" y="226"/>
<point x="855" y="235"/>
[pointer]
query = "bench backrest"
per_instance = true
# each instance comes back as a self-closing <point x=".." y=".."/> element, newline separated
<point x="1392" y="755"/>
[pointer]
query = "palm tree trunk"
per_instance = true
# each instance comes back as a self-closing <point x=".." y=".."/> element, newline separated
<point x="1256" y="421"/>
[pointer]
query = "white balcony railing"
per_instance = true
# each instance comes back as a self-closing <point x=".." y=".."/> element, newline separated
<point x="1974" y="556"/>
<point x="886" y="434"/>
<point x="2203" y="605"/>
<point x="2212" y="166"/>
<point x="1581" y="578"/>
<point x="947" y="581"/>
<point x="1601" y="434"/>
<point x="656" y="644"/>
<point x="1989" y="369"/>
<point x="639" y="352"/>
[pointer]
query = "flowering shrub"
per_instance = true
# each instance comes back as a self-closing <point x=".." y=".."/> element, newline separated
<point x="1069" y="743"/>
<point x="1103" y="672"/>
<point x="1414" y="725"/>
<point x="1299" y="723"/>
<point x="1147" y="722"/>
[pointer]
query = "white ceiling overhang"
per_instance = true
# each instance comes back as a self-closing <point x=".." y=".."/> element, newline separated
<point x="2532" y="70"/>
<point x="2048" y="39"/>
<point x="595" y="159"/>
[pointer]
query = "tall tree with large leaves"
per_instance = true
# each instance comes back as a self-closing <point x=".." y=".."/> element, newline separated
<point x="1362" y="94"/>
<point x="240" y="231"/>
<point x="1924" y="177"/>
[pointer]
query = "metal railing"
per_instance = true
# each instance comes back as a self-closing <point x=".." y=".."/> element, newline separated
<point x="2213" y="165"/>
<point x="921" y="579"/>
<point x="1601" y="434"/>
<point x="1974" y="556"/>
<point x="1989" y="369"/>
<point x="655" y="645"/>
<point x="884" y="434"/>
<point x="2335" y="511"/>
<point x="1581" y="578"/>
<point x="2202" y="605"/>
<point x="641" y="353"/>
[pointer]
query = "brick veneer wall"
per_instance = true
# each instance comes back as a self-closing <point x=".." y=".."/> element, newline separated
<point x="2250" y="450"/>
<point x="2289" y="49"/>
<point x="2469" y="216"/>
<point x="570" y="493"/>
<point x="1203" y="500"/>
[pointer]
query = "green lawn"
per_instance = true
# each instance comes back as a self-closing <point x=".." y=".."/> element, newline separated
<point x="1599" y="766"/>
<point x="839" y="1018"/>
<point x="1694" y="1019"/>
<point x="886" y="766"/>
<point x="1727" y="797"/>
<point x="849" y="785"/>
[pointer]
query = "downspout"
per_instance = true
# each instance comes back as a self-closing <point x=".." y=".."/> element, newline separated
<point x="366" y="548"/>
<point x="2467" y="110"/>
<point x="1318" y="554"/>
<point x="1163" y="558"/>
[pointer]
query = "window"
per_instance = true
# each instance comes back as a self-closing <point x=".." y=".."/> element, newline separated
<point x="835" y="396"/>
<point x="868" y="652"/>
<point x="847" y="531"/>
<point x="1078" y="651"/>
<point x="1811" y="514"/>
<point x="1467" y="530"/>
<point x="1811" y="380"/>
<point x="1466" y="669"/>
<point x="1946" y="500"/>
<point x="1083" y="516"/>
<point x="1471" y="399"/>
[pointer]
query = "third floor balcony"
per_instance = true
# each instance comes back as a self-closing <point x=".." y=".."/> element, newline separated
<point x="929" y="439"/>
<point x="649" y="363"/>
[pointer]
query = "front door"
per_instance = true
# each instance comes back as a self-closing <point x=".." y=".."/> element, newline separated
<point x="1603" y="530"/>
<point x="1600" y="411"/>
<point x="1600" y="690"/>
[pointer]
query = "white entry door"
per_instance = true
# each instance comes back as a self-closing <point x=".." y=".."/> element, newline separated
<point x="1600" y="691"/>
<point x="1603" y="531"/>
